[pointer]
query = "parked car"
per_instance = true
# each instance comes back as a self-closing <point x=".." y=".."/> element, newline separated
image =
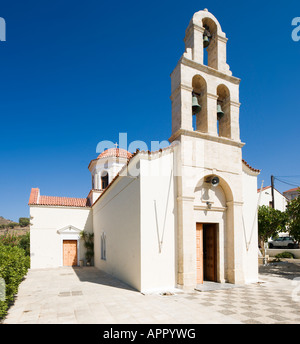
<point x="287" y="242"/>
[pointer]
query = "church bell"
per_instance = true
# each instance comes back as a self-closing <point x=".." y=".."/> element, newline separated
<point x="220" y="112"/>
<point x="205" y="41"/>
<point x="206" y="36"/>
<point x="196" y="107"/>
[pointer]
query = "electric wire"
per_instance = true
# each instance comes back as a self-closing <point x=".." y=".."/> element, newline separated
<point x="285" y="182"/>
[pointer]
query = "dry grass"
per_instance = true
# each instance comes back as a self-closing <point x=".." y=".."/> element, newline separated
<point x="16" y="230"/>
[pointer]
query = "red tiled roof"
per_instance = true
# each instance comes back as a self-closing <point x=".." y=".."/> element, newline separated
<point x="251" y="168"/>
<point x="34" y="195"/>
<point x="115" y="152"/>
<point x="63" y="201"/>
<point x="292" y="190"/>
<point x="34" y="199"/>
<point x="264" y="188"/>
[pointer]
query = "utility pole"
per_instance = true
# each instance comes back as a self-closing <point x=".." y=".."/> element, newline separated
<point x="272" y="190"/>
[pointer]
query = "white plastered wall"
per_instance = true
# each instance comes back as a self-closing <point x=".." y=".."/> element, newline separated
<point x="158" y="247"/>
<point x="46" y="241"/>
<point x="117" y="214"/>
<point x="250" y="225"/>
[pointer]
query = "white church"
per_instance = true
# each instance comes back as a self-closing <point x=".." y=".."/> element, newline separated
<point x="176" y="217"/>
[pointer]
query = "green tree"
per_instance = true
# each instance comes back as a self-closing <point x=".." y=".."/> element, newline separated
<point x="24" y="221"/>
<point x="270" y="223"/>
<point x="293" y="213"/>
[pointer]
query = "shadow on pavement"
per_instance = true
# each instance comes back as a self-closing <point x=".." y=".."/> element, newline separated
<point x="94" y="275"/>
<point x="286" y="269"/>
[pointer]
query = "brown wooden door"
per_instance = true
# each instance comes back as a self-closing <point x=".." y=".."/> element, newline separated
<point x="70" y="252"/>
<point x="199" y="252"/>
<point x="210" y="252"/>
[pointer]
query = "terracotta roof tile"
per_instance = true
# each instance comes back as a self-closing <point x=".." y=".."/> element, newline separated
<point x="292" y="190"/>
<point x="264" y="188"/>
<point x="34" y="196"/>
<point x="251" y="168"/>
<point x="57" y="201"/>
<point x="63" y="201"/>
<point x="115" y="152"/>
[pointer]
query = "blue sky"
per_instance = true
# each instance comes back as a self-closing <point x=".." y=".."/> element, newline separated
<point x="74" y="73"/>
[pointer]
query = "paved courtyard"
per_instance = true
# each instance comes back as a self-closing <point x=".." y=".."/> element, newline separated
<point x="87" y="295"/>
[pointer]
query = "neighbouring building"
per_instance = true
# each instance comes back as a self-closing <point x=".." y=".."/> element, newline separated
<point x="291" y="193"/>
<point x="174" y="217"/>
<point x="265" y="198"/>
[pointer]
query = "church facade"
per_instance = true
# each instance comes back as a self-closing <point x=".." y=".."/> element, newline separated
<point x="175" y="217"/>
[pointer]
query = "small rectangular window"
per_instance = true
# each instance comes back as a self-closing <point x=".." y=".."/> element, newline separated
<point x="103" y="246"/>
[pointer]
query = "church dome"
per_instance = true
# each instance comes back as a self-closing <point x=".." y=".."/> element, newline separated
<point x="115" y="152"/>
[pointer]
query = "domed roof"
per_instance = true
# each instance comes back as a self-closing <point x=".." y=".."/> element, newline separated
<point x="115" y="152"/>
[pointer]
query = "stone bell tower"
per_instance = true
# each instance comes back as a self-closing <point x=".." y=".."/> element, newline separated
<point x="209" y="146"/>
<point x="212" y="83"/>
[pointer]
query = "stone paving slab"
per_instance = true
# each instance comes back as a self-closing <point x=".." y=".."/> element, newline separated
<point x="87" y="295"/>
<point x="212" y="286"/>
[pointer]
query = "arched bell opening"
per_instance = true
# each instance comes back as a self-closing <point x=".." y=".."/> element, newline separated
<point x="213" y="186"/>
<point x="199" y="103"/>
<point x="210" y="42"/>
<point x="223" y="111"/>
<point x="104" y="180"/>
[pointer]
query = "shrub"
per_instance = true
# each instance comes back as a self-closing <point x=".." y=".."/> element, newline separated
<point x="14" y="265"/>
<point x="24" y="221"/>
<point x="88" y="239"/>
<point x="9" y="239"/>
<point x="9" y="225"/>
<point x="24" y="243"/>
<point x="12" y="225"/>
<point x="285" y="255"/>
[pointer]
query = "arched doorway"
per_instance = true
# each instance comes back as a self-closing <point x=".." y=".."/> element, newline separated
<point x="212" y="219"/>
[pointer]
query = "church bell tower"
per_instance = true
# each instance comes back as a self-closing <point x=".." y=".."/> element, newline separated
<point x="205" y="121"/>
<point x="203" y="76"/>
